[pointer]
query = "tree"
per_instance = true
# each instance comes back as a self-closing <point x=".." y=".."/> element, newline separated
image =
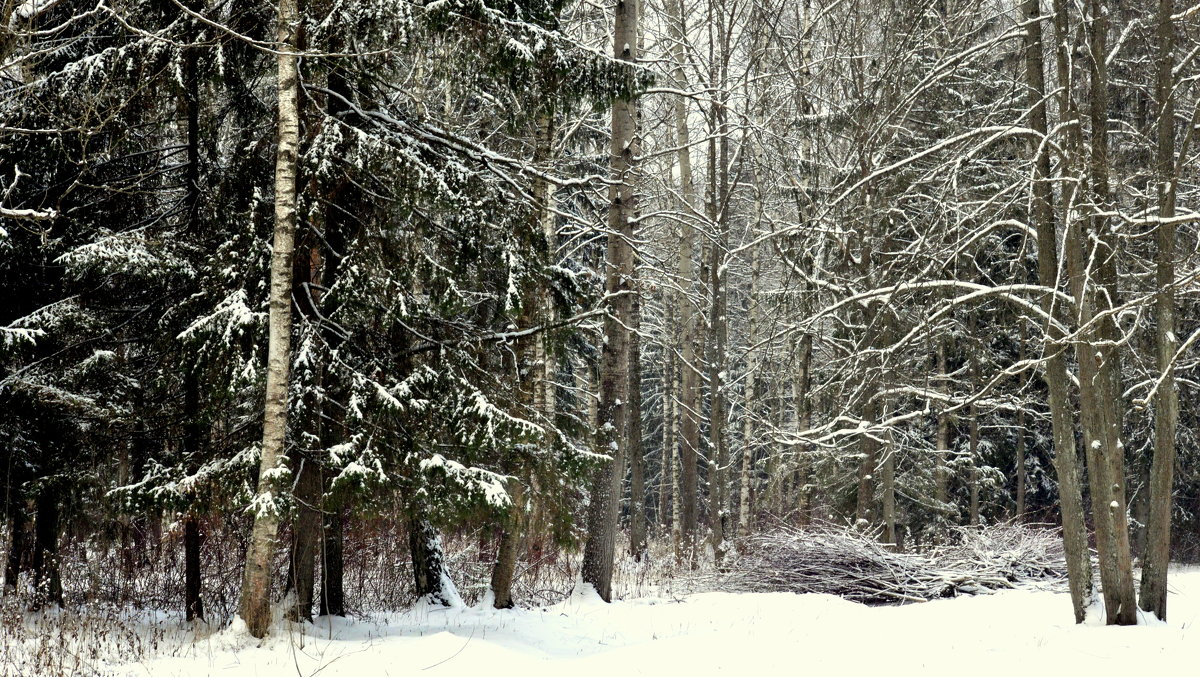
<point x="256" y="582"/>
<point x="1153" y="596"/>
<point x="613" y="435"/>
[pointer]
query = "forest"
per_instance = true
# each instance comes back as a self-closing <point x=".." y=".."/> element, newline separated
<point x="341" y="308"/>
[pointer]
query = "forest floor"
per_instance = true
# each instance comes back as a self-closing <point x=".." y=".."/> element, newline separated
<point x="707" y="633"/>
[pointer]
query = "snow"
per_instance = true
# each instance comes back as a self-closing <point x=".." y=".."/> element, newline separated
<point x="702" y="634"/>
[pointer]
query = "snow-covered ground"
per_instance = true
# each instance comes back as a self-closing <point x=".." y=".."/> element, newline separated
<point x="1023" y="631"/>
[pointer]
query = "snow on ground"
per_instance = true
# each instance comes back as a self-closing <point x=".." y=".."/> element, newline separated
<point x="708" y="634"/>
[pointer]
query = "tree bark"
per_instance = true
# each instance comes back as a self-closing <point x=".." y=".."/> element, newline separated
<point x="748" y="420"/>
<point x="47" y="583"/>
<point x="17" y="521"/>
<point x="864" y="513"/>
<point x="1166" y="402"/>
<point x="718" y="215"/>
<point x="637" y="460"/>
<point x="1019" y="510"/>
<point x="306" y="537"/>
<point x="1097" y="294"/>
<point x="612" y="435"/>
<point x="432" y="581"/>
<point x="888" y="470"/>
<point x="803" y="414"/>
<point x="973" y="452"/>
<point x="941" y="472"/>
<point x="1066" y="454"/>
<point x="1019" y="470"/>
<point x="193" y="425"/>
<point x="333" y="597"/>
<point x="510" y="545"/>
<point x="193" y="540"/>
<point x="256" y="582"/>
<point x="687" y="513"/>
<point x="666" y="519"/>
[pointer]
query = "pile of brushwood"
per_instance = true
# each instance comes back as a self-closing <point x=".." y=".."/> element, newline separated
<point x="855" y="565"/>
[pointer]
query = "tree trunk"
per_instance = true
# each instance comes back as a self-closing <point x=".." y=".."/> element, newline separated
<point x="803" y="414"/>
<point x="612" y="436"/>
<point x="687" y="512"/>
<point x="1097" y="294"/>
<point x="864" y="513"/>
<point x="306" y="537"/>
<point x="433" y="582"/>
<point x="256" y="583"/>
<point x="666" y="468"/>
<point x="718" y="215"/>
<point x="941" y="470"/>
<point x="1019" y="471"/>
<point x="510" y="546"/>
<point x="1019" y="511"/>
<point x="193" y="540"/>
<point x="333" y="597"/>
<point x="17" y="521"/>
<point x="889" y="490"/>
<point x="193" y="425"/>
<point x="637" y="461"/>
<point x="1066" y="454"/>
<point x="1166" y="403"/>
<point x="531" y="372"/>
<point x="193" y="441"/>
<point x="748" y="420"/>
<point x="973" y="453"/>
<point x="47" y="584"/>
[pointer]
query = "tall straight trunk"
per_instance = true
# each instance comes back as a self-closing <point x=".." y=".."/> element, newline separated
<point x="1166" y="402"/>
<point x="973" y="452"/>
<point x="193" y="540"/>
<point x="256" y="581"/>
<point x="973" y="434"/>
<point x="15" y="511"/>
<point x="334" y="515"/>
<point x="192" y="537"/>
<point x="718" y="451"/>
<point x="888" y="462"/>
<point x="140" y="523"/>
<point x="1019" y="508"/>
<point x="193" y="429"/>
<point x="864" y="512"/>
<point x="531" y="374"/>
<point x="637" y="460"/>
<point x="888" y="470"/>
<point x="687" y="513"/>
<point x="676" y="473"/>
<point x="748" y="420"/>
<point x="1019" y="471"/>
<point x="47" y="581"/>
<point x="1062" y="420"/>
<point x="670" y="433"/>
<point x="1094" y="275"/>
<point x="803" y="413"/>
<point x="941" y="470"/>
<point x="612" y="435"/>
<point x="510" y="545"/>
<point x="545" y="399"/>
<point x="306" y="536"/>
<point x="718" y="215"/>
<point x="877" y="332"/>
<point x="333" y="596"/>
<point x="307" y="279"/>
